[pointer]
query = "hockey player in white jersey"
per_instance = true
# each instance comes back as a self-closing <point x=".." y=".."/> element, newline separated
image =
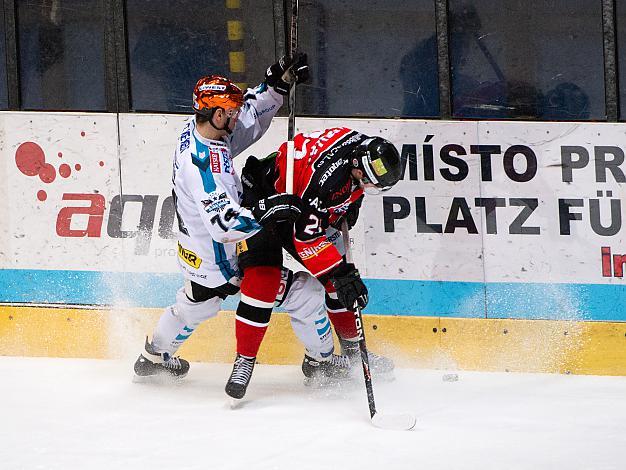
<point x="207" y="194"/>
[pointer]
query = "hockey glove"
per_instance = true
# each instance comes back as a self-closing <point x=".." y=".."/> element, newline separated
<point x="352" y="215"/>
<point x="287" y="71"/>
<point x="281" y="207"/>
<point x="256" y="177"/>
<point x="351" y="291"/>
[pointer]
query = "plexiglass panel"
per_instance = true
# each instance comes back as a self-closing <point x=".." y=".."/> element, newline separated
<point x="4" y="104"/>
<point x="527" y="59"/>
<point x="172" y="43"/>
<point x="61" y="54"/>
<point x="369" y="58"/>
<point x="620" y="12"/>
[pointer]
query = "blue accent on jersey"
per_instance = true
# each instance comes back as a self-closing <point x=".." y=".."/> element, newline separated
<point x="323" y="329"/>
<point x="261" y="87"/>
<point x="203" y="165"/>
<point x="246" y="224"/>
<point x="182" y="337"/>
<point x="222" y="261"/>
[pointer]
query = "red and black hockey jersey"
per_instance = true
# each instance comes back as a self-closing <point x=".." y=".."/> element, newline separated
<point x="322" y="178"/>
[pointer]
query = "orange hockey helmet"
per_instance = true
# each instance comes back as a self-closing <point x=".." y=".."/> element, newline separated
<point x="216" y="92"/>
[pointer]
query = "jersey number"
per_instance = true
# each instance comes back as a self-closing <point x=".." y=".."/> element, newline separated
<point x="228" y="216"/>
<point x="313" y="227"/>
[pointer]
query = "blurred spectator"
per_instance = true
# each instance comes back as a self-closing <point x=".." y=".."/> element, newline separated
<point x="566" y="101"/>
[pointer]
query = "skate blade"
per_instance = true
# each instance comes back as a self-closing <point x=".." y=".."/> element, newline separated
<point x="325" y="382"/>
<point x="235" y="403"/>
<point x="394" y="422"/>
<point x="158" y="379"/>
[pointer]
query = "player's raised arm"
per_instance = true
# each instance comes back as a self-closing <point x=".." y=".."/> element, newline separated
<point x="263" y="102"/>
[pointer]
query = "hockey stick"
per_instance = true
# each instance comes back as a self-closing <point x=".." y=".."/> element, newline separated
<point x="398" y="422"/>
<point x="293" y="45"/>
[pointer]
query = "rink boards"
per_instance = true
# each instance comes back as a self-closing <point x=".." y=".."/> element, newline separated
<point x="423" y="342"/>
<point x="492" y="222"/>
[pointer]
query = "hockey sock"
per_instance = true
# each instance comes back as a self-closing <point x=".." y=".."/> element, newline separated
<point x="258" y="292"/>
<point x="170" y="332"/>
<point x="341" y="318"/>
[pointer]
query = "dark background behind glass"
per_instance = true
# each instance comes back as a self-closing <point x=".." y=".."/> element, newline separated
<point x="527" y="58"/>
<point x="363" y="58"/>
<point x="524" y="59"/>
<point x="620" y="12"/>
<point x="61" y="54"/>
<point x="172" y="43"/>
<point x="4" y="101"/>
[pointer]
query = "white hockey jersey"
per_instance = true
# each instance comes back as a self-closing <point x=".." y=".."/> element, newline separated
<point x="207" y="192"/>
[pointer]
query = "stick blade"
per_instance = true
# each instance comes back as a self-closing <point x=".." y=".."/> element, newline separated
<point x="395" y="422"/>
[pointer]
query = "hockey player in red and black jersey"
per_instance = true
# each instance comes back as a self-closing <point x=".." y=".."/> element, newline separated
<point x="331" y="170"/>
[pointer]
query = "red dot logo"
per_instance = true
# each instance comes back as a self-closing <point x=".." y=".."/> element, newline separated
<point x="29" y="158"/>
<point x="47" y="174"/>
<point x="65" y="171"/>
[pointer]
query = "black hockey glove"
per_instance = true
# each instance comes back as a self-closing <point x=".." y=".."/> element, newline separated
<point x="256" y="178"/>
<point x="287" y="71"/>
<point x="281" y="207"/>
<point x="351" y="216"/>
<point x="351" y="291"/>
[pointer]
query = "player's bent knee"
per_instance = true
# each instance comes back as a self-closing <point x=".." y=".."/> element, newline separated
<point x="192" y="313"/>
<point x="305" y="298"/>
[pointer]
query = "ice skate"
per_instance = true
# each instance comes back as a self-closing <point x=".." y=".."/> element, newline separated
<point x="332" y="370"/>
<point x="151" y="365"/>
<point x="380" y="365"/>
<point x="240" y="377"/>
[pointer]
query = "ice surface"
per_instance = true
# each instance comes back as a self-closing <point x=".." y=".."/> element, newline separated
<point x="86" y="414"/>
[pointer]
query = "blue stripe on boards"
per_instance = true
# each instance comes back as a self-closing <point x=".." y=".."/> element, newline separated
<point x="532" y="301"/>
<point x="89" y="287"/>
<point x="600" y="302"/>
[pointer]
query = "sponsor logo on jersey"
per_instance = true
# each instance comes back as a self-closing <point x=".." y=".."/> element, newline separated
<point x="345" y="189"/>
<point x="334" y="236"/>
<point x="263" y="111"/>
<point x="185" y="138"/>
<point x="311" y="251"/>
<point x="213" y="197"/>
<point x="331" y="169"/>
<point x="227" y="161"/>
<point x="341" y="209"/>
<point x="189" y="257"/>
<point x="335" y="148"/>
<point x="216" y="167"/>
<point x="215" y="202"/>
<point x="241" y="247"/>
